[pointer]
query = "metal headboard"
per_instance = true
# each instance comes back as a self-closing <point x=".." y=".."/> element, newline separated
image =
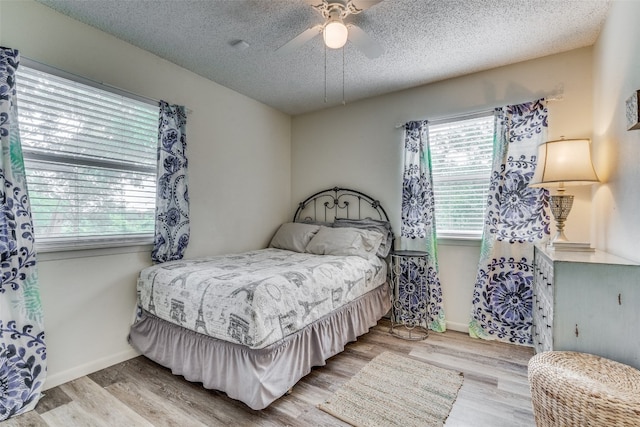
<point x="336" y="202"/>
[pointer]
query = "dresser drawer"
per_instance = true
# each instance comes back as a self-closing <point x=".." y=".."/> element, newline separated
<point x="542" y="306"/>
<point x="542" y="322"/>
<point x="543" y="278"/>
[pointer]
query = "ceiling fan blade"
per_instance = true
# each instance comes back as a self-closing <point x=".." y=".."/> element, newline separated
<point x="364" y="4"/>
<point x="300" y="39"/>
<point x="362" y="41"/>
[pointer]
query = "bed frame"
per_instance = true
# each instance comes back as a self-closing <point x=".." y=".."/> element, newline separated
<point x="257" y="377"/>
<point x="336" y="202"/>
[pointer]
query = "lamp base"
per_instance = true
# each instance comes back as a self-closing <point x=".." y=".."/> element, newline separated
<point x="560" y="207"/>
<point x="571" y="246"/>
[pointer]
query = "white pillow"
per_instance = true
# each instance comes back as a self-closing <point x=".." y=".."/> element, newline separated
<point x="345" y="241"/>
<point x="293" y="236"/>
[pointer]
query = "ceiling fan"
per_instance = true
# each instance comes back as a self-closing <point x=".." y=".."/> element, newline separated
<point x="334" y="31"/>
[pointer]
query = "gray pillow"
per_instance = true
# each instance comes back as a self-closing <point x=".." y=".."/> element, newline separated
<point x="315" y="222"/>
<point x="293" y="236"/>
<point x="345" y="242"/>
<point x="382" y="227"/>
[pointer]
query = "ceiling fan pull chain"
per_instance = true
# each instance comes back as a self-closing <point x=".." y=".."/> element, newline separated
<point x="325" y="73"/>
<point x="343" y="101"/>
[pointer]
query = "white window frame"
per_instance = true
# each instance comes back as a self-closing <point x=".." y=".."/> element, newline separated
<point x="95" y="241"/>
<point x="480" y="178"/>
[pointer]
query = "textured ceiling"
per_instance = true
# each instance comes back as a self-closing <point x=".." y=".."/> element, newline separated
<point x="423" y="41"/>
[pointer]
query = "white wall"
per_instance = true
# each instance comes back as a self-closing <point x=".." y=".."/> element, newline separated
<point x="247" y="179"/>
<point x="359" y="146"/>
<point x="239" y="173"/>
<point x="617" y="151"/>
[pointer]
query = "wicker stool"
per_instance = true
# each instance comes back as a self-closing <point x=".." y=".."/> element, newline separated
<point x="578" y="389"/>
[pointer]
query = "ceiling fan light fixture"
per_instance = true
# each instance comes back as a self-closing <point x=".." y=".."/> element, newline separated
<point x="335" y="34"/>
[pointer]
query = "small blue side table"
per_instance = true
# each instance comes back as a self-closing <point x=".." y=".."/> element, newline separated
<point x="410" y="295"/>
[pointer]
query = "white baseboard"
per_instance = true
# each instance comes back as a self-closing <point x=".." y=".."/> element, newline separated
<point x="88" y="368"/>
<point x="460" y="327"/>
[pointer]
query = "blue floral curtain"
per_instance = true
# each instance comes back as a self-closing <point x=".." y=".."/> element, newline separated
<point x="172" y="200"/>
<point x="418" y="224"/>
<point x="22" y="348"/>
<point x="516" y="217"/>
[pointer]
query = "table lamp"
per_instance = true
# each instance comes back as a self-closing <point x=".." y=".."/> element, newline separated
<point x="564" y="162"/>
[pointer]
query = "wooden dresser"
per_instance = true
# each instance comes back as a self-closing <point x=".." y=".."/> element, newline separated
<point x="587" y="302"/>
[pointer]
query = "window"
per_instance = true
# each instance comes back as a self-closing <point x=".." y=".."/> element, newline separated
<point x="90" y="160"/>
<point x="461" y="157"/>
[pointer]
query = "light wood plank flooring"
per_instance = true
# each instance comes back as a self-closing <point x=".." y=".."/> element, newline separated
<point x="139" y="392"/>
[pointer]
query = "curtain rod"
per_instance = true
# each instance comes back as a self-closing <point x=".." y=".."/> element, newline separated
<point x="32" y="63"/>
<point x="556" y="95"/>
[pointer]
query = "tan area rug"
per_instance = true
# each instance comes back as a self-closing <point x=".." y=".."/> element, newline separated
<point x="395" y="390"/>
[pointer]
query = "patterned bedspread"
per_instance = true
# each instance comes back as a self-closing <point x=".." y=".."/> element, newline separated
<point x="255" y="298"/>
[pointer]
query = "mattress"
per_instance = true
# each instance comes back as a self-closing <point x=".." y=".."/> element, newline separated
<point x="255" y="298"/>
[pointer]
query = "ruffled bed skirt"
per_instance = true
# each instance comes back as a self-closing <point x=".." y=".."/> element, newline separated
<point x="257" y="377"/>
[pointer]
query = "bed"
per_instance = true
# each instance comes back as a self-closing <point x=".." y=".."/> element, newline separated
<point x="252" y="324"/>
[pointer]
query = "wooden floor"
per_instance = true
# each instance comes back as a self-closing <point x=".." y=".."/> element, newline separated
<point x="138" y="392"/>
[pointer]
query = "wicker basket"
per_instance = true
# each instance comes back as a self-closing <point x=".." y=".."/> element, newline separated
<point x="578" y="389"/>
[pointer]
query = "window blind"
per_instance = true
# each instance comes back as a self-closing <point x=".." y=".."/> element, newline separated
<point x="461" y="159"/>
<point x="90" y="160"/>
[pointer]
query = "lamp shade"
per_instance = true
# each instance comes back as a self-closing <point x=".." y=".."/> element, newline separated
<point x="564" y="162"/>
<point x="335" y="34"/>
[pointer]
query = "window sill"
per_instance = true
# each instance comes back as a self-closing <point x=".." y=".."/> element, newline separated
<point x="460" y="241"/>
<point x="62" y="254"/>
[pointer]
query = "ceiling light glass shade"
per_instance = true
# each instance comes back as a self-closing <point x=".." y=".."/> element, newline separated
<point x="335" y="34"/>
<point x="564" y="161"/>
